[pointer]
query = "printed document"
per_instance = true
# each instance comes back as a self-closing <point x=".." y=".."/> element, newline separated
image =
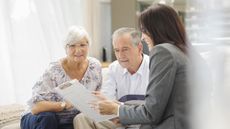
<point x="80" y="97"/>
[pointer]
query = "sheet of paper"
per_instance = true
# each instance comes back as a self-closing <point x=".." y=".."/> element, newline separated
<point x="80" y="97"/>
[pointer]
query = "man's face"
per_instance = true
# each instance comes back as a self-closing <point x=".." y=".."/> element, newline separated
<point x="125" y="52"/>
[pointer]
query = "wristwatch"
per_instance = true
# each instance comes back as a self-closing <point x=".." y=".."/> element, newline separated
<point x="63" y="105"/>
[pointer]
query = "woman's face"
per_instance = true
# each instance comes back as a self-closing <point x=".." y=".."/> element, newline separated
<point x="148" y="40"/>
<point x="78" y="51"/>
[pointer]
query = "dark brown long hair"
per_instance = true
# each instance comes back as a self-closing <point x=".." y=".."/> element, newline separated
<point x="163" y="25"/>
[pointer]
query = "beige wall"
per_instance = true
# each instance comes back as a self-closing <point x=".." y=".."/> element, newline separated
<point x="123" y="14"/>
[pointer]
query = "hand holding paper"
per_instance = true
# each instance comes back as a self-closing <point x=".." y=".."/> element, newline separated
<point x="104" y="105"/>
<point x="108" y="107"/>
<point x="80" y="97"/>
<point x="69" y="105"/>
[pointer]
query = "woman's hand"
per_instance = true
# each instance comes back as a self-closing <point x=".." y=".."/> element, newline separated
<point x="107" y="107"/>
<point x="104" y="105"/>
<point x="68" y="105"/>
<point x="99" y="95"/>
<point x="116" y="121"/>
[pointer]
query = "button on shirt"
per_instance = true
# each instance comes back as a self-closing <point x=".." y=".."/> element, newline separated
<point x="120" y="82"/>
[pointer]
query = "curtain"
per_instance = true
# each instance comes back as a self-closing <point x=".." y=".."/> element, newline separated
<point x="92" y="23"/>
<point x="31" y="35"/>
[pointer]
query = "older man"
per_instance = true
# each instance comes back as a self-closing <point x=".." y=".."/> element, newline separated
<point x="127" y="76"/>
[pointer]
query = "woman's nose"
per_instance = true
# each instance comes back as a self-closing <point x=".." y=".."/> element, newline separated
<point x="77" y="49"/>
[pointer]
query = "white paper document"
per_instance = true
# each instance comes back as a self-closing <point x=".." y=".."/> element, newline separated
<point x="80" y="97"/>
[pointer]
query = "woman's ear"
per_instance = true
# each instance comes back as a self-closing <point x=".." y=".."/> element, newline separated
<point x="66" y="47"/>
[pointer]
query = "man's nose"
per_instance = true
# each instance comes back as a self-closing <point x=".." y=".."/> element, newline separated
<point x="121" y="54"/>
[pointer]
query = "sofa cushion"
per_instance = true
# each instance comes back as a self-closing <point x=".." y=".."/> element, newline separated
<point x="10" y="115"/>
<point x="11" y="125"/>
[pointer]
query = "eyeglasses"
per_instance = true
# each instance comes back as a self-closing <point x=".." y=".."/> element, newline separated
<point x="80" y="45"/>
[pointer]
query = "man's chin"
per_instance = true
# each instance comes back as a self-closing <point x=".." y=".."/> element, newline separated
<point x="124" y="65"/>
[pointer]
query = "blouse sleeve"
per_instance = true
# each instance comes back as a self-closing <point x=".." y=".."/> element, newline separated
<point x="44" y="89"/>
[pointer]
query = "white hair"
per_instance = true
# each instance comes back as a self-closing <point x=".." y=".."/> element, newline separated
<point x="75" y="34"/>
<point x="134" y="34"/>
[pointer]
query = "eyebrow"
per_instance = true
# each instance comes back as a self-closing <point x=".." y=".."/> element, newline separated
<point x="83" y="42"/>
<point x="121" y="48"/>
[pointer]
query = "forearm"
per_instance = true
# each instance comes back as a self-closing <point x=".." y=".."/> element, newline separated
<point x="46" y="106"/>
<point x="134" y="115"/>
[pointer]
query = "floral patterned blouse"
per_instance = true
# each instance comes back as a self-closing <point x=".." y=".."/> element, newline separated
<point x="56" y="75"/>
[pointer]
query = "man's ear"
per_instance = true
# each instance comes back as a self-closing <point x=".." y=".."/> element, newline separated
<point x="140" y="47"/>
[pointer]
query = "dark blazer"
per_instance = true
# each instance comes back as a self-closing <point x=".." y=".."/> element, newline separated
<point x="166" y="95"/>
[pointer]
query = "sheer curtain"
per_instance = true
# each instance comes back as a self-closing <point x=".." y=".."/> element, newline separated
<point x="31" y="35"/>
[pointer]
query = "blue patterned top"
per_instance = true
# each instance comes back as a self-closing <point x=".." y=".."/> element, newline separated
<point x="56" y="75"/>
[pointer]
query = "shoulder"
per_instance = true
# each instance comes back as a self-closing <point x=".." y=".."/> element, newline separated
<point x="145" y="58"/>
<point x="54" y="66"/>
<point x="166" y="49"/>
<point x="54" y="70"/>
<point x="115" y="66"/>
<point x="94" y="65"/>
<point x="160" y="51"/>
<point x="94" y="62"/>
<point x="167" y="52"/>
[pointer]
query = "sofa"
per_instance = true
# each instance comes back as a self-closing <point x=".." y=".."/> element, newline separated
<point x="10" y="114"/>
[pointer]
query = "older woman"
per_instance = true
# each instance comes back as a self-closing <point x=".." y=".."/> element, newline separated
<point x="48" y="110"/>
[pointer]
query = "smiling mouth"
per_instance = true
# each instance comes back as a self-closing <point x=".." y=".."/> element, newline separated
<point x="123" y="60"/>
<point x="78" y="55"/>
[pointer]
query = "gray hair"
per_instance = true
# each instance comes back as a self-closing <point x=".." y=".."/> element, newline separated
<point x="75" y="34"/>
<point x="134" y="34"/>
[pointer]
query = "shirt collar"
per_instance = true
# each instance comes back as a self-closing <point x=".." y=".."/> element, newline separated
<point x="125" y="71"/>
<point x="142" y="66"/>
